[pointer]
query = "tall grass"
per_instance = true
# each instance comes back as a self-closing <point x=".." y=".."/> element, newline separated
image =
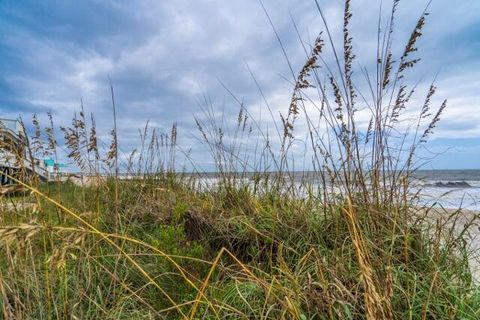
<point x="133" y="238"/>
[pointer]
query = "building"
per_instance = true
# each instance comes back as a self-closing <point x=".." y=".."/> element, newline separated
<point x="15" y="159"/>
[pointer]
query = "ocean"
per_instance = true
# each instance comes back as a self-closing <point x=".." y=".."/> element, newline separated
<point x="450" y="189"/>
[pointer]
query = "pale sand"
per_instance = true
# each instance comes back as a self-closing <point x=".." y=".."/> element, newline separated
<point x="456" y="221"/>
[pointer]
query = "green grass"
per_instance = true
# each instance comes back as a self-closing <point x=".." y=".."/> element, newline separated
<point x="288" y="260"/>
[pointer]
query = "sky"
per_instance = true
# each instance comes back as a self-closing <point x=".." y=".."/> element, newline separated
<point x="164" y="58"/>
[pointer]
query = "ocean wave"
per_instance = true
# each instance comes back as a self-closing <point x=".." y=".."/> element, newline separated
<point x="451" y="184"/>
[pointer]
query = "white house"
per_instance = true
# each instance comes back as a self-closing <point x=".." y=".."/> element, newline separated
<point x="14" y="157"/>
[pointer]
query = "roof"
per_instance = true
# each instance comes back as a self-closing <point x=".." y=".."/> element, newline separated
<point x="12" y="126"/>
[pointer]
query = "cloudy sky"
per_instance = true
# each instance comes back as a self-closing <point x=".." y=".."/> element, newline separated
<point x="164" y="57"/>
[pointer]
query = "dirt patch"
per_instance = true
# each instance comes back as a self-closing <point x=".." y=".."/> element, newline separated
<point x="87" y="181"/>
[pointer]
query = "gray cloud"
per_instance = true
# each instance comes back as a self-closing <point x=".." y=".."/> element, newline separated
<point x="163" y="56"/>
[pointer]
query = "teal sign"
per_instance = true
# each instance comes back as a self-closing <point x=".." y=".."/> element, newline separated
<point x="49" y="162"/>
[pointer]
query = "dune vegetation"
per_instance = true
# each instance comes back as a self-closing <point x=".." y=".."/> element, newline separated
<point x="137" y="237"/>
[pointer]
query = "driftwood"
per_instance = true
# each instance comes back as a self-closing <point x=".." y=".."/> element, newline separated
<point x="12" y="189"/>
